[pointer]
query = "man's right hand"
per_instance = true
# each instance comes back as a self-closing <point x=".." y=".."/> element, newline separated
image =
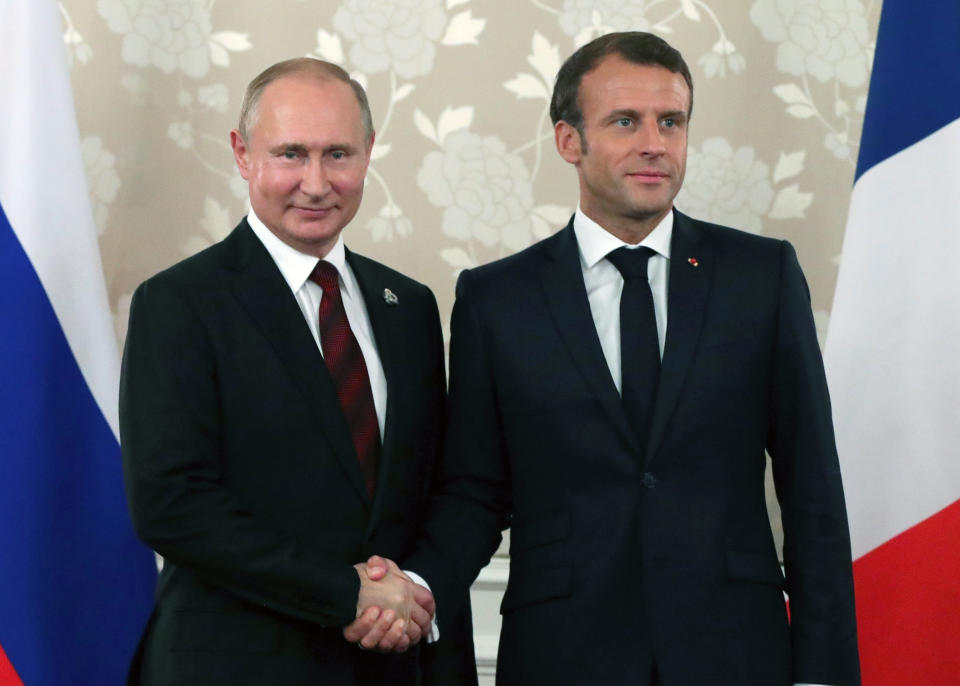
<point x="393" y="613"/>
<point x="422" y="613"/>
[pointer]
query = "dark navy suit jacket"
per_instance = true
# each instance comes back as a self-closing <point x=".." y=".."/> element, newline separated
<point x="629" y="551"/>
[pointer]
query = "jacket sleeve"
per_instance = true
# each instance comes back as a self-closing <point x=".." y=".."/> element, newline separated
<point x="466" y="516"/>
<point x="806" y="474"/>
<point x="169" y="428"/>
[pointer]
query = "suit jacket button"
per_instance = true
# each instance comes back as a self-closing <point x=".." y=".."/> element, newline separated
<point x="649" y="480"/>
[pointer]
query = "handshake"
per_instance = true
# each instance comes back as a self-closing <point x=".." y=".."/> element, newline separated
<point x="393" y="612"/>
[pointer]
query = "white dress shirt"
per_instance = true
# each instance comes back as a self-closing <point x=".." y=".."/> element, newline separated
<point x="296" y="268"/>
<point x="605" y="284"/>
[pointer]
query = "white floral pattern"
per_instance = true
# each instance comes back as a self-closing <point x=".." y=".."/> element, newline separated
<point x="215" y="97"/>
<point x="838" y="144"/>
<point x="168" y="34"/>
<point x="216" y="224"/>
<point x="826" y="39"/>
<point x="77" y="46"/>
<point x="826" y="42"/>
<point x="172" y="35"/>
<point x="102" y="180"/>
<point x="401" y="35"/>
<point x="603" y="16"/>
<point x="727" y="186"/>
<point x="484" y="190"/>
<point x="390" y="223"/>
<point x="181" y="133"/>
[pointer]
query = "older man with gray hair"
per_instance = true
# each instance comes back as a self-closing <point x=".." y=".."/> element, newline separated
<point x="281" y="412"/>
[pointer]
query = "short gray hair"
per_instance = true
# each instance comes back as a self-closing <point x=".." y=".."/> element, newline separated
<point x="300" y="65"/>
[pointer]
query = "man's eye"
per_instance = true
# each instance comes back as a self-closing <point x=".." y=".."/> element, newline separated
<point x="669" y="123"/>
<point x="624" y="122"/>
<point x="338" y="154"/>
<point x="290" y="154"/>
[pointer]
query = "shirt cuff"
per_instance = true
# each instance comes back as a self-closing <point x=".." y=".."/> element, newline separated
<point x="434" y="634"/>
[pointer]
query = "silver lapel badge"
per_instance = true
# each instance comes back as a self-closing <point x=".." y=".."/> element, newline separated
<point x="390" y="297"/>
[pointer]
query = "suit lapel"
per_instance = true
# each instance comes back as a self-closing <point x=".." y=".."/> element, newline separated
<point x="566" y="298"/>
<point x="265" y="295"/>
<point x="691" y="268"/>
<point x="387" y="330"/>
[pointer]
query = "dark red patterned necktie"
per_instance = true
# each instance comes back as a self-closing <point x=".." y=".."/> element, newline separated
<point x="348" y="369"/>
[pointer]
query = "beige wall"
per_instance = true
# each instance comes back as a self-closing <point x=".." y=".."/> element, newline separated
<point x="465" y="168"/>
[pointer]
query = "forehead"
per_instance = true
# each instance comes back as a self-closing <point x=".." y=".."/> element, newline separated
<point x="616" y="84"/>
<point x="306" y="108"/>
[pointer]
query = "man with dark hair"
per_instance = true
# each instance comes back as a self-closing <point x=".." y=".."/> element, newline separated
<point x="613" y="390"/>
<point x="634" y="47"/>
<point x="281" y="407"/>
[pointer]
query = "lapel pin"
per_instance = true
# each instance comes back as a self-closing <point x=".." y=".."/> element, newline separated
<point x="390" y="297"/>
<point x="693" y="261"/>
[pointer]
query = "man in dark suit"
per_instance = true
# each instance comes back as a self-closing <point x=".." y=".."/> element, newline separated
<point x="613" y="390"/>
<point x="281" y="411"/>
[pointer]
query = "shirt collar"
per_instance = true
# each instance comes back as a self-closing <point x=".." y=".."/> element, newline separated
<point x="294" y="265"/>
<point x="595" y="242"/>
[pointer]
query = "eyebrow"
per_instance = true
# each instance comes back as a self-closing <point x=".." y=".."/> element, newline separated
<point x="634" y="114"/>
<point x="284" y="147"/>
<point x="303" y="148"/>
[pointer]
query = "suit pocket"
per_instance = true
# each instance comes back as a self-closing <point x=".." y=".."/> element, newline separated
<point x="536" y="586"/>
<point x="538" y="531"/>
<point x="539" y="567"/>
<point x="221" y="632"/>
<point x="758" y="568"/>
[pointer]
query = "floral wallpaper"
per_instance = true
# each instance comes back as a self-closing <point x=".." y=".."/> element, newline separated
<point x="464" y="169"/>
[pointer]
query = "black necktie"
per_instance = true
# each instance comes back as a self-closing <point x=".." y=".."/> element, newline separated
<point x="639" y="345"/>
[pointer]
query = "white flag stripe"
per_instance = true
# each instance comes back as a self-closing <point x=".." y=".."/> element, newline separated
<point x="893" y="348"/>
<point x="53" y="222"/>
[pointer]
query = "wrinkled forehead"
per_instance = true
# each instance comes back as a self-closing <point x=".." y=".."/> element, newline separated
<point x="304" y="104"/>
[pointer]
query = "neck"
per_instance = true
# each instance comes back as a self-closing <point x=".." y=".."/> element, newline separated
<point x="629" y="229"/>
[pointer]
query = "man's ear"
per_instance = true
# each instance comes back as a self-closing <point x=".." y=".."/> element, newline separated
<point x="241" y="153"/>
<point x="369" y="150"/>
<point x="567" y="139"/>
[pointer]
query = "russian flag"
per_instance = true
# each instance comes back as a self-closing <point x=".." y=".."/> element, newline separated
<point x="893" y="352"/>
<point x="75" y="584"/>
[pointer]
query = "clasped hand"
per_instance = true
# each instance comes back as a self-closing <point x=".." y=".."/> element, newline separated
<point x="393" y="612"/>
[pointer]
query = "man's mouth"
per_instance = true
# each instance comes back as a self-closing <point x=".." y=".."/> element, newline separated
<point x="651" y="175"/>
<point x="314" y="211"/>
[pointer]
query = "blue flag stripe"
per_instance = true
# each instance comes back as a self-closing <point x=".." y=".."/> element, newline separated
<point x="72" y="591"/>
<point x="915" y="85"/>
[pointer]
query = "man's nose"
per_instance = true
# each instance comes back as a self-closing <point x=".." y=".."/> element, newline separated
<point x="649" y="139"/>
<point x="314" y="180"/>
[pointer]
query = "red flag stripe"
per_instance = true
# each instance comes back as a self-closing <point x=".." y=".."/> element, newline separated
<point x="908" y="605"/>
<point x="8" y="675"/>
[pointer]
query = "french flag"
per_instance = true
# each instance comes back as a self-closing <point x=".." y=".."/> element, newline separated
<point x="75" y="584"/>
<point x="893" y="352"/>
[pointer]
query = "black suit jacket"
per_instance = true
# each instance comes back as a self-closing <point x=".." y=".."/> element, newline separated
<point x="629" y="551"/>
<point x="241" y="472"/>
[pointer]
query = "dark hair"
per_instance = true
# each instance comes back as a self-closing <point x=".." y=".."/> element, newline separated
<point x="637" y="47"/>
<point x="299" y="65"/>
